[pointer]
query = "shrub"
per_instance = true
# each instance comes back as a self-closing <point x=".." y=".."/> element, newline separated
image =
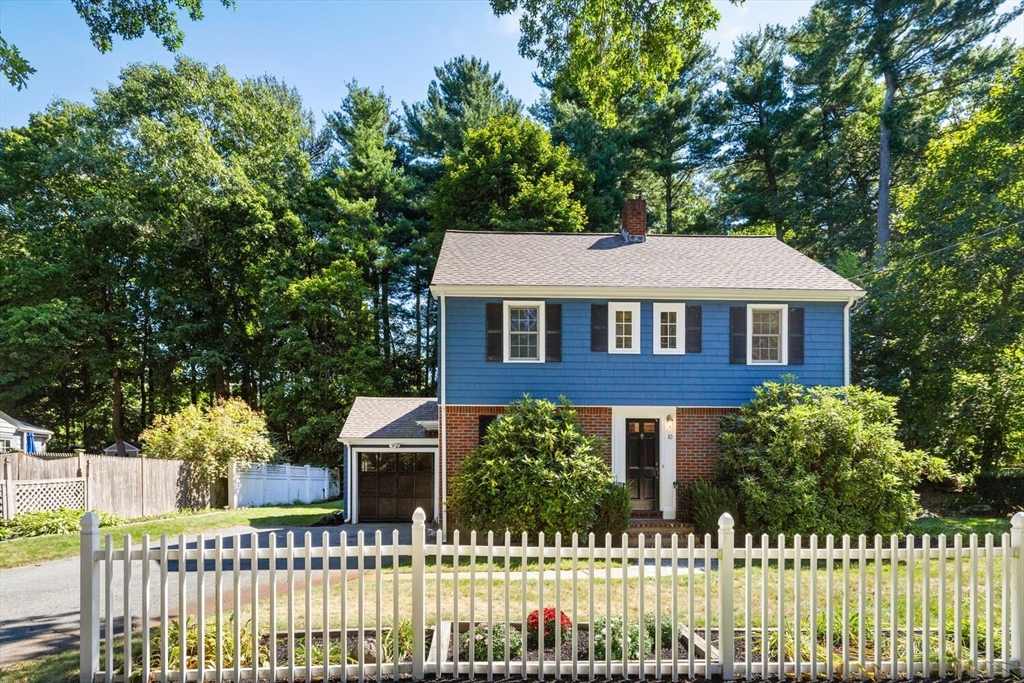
<point x="820" y="460"/>
<point x="481" y="635"/>
<point x="1002" y="488"/>
<point x="211" y="437"/>
<point x="614" y="636"/>
<point x="43" y="522"/>
<point x="536" y="471"/>
<point x="226" y="645"/>
<point x="708" y="503"/>
<point x="613" y="511"/>
<point x="533" y="623"/>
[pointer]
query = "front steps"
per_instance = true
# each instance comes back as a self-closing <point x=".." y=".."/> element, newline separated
<point x="650" y="526"/>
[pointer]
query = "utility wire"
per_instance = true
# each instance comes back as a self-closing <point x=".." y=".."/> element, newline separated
<point x="916" y="257"/>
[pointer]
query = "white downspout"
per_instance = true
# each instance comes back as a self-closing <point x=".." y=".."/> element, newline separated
<point x="443" y="380"/>
<point x="846" y="342"/>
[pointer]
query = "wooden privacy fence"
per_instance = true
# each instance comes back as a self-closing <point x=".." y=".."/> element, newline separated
<point x="130" y="487"/>
<point x="334" y="605"/>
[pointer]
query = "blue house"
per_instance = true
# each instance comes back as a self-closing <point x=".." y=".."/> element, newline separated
<point x="652" y="337"/>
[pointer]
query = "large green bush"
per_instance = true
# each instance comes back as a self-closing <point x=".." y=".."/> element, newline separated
<point x="211" y="437"/>
<point x="820" y="460"/>
<point x="537" y="470"/>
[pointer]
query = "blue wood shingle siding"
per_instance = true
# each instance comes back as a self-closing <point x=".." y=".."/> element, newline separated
<point x="588" y="378"/>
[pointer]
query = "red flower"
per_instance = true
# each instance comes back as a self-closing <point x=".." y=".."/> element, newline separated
<point x="549" y="625"/>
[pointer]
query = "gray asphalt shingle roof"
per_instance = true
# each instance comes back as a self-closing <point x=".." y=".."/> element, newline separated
<point x="24" y="426"/>
<point x="388" y="418"/>
<point x="606" y="260"/>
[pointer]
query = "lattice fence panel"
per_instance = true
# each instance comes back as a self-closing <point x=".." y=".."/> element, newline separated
<point x="49" y="495"/>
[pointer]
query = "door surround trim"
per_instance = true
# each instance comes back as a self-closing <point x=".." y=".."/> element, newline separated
<point x="666" y="450"/>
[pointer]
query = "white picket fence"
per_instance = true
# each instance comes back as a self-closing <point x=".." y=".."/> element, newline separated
<point x="846" y="608"/>
<point x="262" y="484"/>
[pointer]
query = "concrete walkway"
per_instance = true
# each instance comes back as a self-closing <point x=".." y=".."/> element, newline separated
<point x="39" y="604"/>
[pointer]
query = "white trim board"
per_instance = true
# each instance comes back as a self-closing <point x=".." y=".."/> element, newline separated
<point x="644" y="293"/>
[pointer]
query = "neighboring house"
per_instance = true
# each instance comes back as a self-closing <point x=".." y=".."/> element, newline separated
<point x="130" y="450"/>
<point x="16" y="435"/>
<point x="652" y="337"/>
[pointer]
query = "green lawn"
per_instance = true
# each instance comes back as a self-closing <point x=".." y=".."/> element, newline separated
<point x="961" y="525"/>
<point x="24" y="551"/>
<point x="59" y="668"/>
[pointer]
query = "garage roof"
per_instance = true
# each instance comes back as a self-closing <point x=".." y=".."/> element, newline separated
<point x="388" y="418"/>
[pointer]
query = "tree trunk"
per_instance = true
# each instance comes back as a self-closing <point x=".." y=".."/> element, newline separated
<point x="773" y="194"/>
<point x="419" y="327"/>
<point x="385" y="310"/>
<point x="117" y="407"/>
<point x="885" y="168"/>
<point x="668" y="203"/>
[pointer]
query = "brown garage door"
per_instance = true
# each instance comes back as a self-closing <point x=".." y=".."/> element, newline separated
<point x="393" y="485"/>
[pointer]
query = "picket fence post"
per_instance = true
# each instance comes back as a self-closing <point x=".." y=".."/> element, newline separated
<point x="233" y="485"/>
<point x="1017" y="592"/>
<point x="419" y="587"/>
<point x="89" y="621"/>
<point x="726" y="545"/>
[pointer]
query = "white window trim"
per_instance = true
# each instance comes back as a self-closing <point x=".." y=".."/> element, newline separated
<point x="680" y="311"/>
<point x="783" y="333"/>
<point x="634" y="308"/>
<point x="506" y="334"/>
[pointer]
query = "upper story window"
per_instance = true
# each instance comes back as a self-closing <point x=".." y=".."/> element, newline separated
<point x="524" y="331"/>
<point x="623" y="327"/>
<point x="767" y="334"/>
<point x="669" y="328"/>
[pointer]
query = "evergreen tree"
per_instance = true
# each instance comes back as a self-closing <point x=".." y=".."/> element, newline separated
<point x="463" y="95"/>
<point x="918" y="47"/>
<point x="759" y="133"/>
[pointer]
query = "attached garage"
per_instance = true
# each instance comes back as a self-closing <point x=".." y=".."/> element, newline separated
<point x="391" y="459"/>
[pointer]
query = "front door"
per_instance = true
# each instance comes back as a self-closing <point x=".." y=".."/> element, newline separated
<point x="642" y="463"/>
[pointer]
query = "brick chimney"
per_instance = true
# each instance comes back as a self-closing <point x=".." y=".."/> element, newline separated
<point x="634" y="220"/>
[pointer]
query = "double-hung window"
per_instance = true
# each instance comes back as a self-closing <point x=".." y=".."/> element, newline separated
<point x="524" y="331"/>
<point x="669" y="328"/>
<point x="767" y="334"/>
<point x="623" y="327"/>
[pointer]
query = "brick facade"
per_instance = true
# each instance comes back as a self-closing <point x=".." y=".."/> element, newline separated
<point x="697" y="442"/>
<point x="463" y="429"/>
<point x="696" y="433"/>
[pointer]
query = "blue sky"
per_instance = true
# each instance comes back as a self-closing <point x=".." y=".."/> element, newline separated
<point x="314" y="45"/>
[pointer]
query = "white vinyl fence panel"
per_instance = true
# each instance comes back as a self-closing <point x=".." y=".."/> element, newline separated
<point x="262" y="484"/>
<point x="878" y="608"/>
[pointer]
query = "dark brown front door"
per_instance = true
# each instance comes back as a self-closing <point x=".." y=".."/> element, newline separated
<point x="642" y="463"/>
<point x="393" y="485"/>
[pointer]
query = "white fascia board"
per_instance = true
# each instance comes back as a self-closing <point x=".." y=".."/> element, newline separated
<point x="402" y="443"/>
<point x="647" y="293"/>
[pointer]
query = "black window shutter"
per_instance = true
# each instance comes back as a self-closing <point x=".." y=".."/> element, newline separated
<point x="796" y="336"/>
<point x="738" y="334"/>
<point x="599" y="327"/>
<point x="694" y="328"/>
<point x="495" y="333"/>
<point x="484" y="422"/>
<point x="553" y="333"/>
